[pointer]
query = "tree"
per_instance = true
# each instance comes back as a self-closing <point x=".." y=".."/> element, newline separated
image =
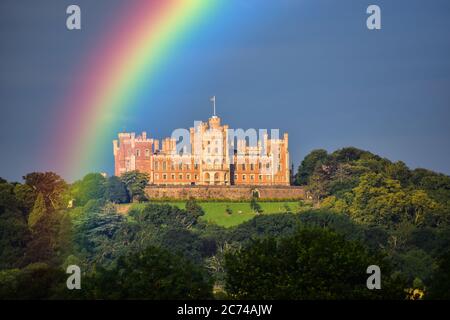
<point x="91" y="187"/>
<point x="308" y="165"/>
<point x="350" y="154"/>
<point x="26" y="197"/>
<point x="440" y="282"/>
<point x="380" y="200"/>
<point x="152" y="274"/>
<point x="116" y="190"/>
<point x="52" y="187"/>
<point x="194" y="208"/>
<point x="36" y="281"/>
<point x="311" y="264"/>
<point x="38" y="212"/>
<point x="399" y="171"/>
<point x="135" y="183"/>
<point x="255" y="206"/>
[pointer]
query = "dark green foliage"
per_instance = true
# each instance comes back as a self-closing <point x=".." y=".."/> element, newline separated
<point x="52" y="187"/>
<point x="116" y="191"/>
<point x="311" y="264"/>
<point x="308" y="165"/>
<point x="368" y="206"/>
<point x="135" y="182"/>
<point x="35" y="281"/>
<point x="255" y="206"/>
<point x="14" y="236"/>
<point x="263" y="226"/>
<point x="91" y="187"/>
<point x="194" y="208"/>
<point x="25" y="197"/>
<point x="152" y="274"/>
<point x="97" y="231"/>
<point x="440" y="282"/>
<point x="164" y="216"/>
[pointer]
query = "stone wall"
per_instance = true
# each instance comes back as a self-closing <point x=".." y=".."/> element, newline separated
<point x="224" y="192"/>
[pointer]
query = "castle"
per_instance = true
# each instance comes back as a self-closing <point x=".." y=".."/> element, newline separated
<point x="207" y="157"/>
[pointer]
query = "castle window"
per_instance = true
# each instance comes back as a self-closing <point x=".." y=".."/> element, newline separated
<point x="180" y="166"/>
<point x="252" y="167"/>
<point x="164" y="165"/>
<point x="156" y="176"/>
<point x="173" y="177"/>
<point x="243" y="177"/>
<point x="196" y="166"/>
<point x="147" y="153"/>
<point x="165" y="176"/>
<point x="267" y="165"/>
<point x="180" y="177"/>
<point x="195" y="177"/>
<point x="138" y="153"/>
<point x="260" y="177"/>
<point x="235" y="177"/>
<point x="252" y="177"/>
<point x="188" y="176"/>
<point x="172" y="166"/>
<point x="259" y="165"/>
<point x="156" y="165"/>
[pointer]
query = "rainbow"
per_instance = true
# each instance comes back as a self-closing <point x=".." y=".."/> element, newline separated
<point x="128" y="59"/>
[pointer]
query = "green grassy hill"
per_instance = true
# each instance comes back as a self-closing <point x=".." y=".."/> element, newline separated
<point x="215" y="212"/>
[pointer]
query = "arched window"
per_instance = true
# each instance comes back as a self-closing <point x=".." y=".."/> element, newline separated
<point x="147" y="153"/>
<point x="138" y="153"/>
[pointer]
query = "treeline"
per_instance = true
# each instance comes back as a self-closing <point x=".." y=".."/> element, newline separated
<point x="370" y="211"/>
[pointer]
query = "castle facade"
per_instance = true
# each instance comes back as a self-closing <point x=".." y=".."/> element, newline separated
<point x="207" y="154"/>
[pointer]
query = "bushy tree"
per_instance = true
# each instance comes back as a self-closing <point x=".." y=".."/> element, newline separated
<point x="255" y="206"/>
<point x="39" y="211"/>
<point x="153" y="274"/>
<point x="440" y="281"/>
<point x="116" y="190"/>
<point x="51" y="186"/>
<point x="135" y="183"/>
<point x="34" y="282"/>
<point x="91" y="187"/>
<point x="194" y="208"/>
<point x="308" y="165"/>
<point x="311" y="264"/>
